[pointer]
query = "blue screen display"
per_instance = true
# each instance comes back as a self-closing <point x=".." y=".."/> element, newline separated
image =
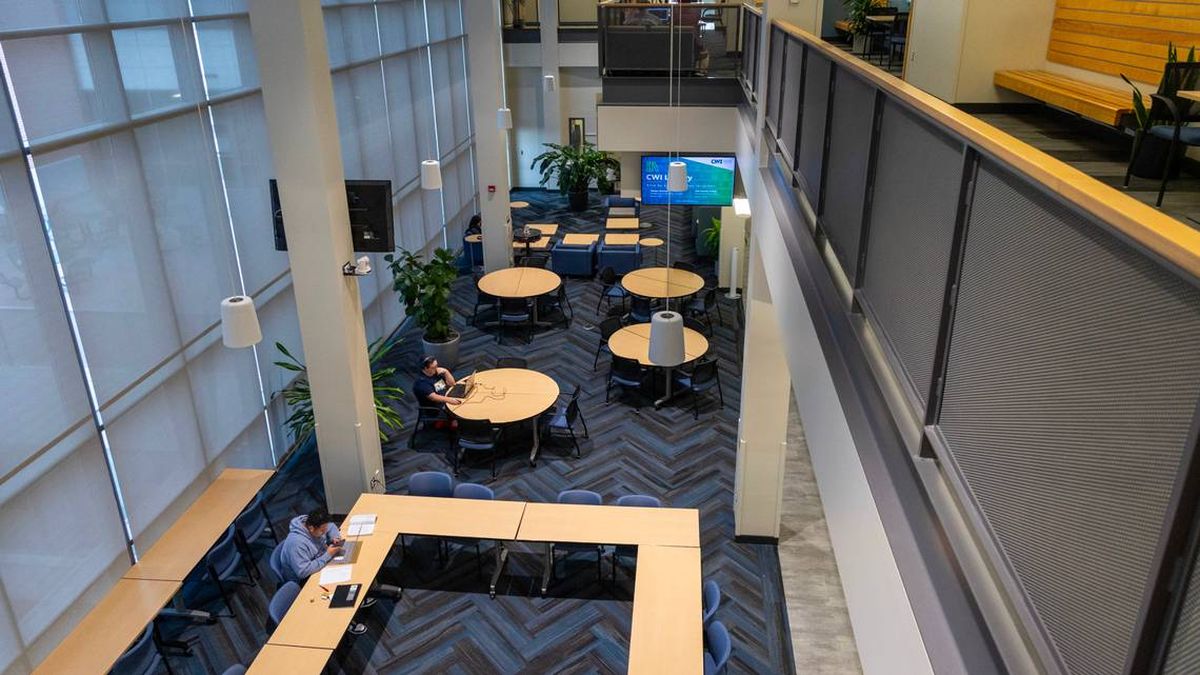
<point x="710" y="180"/>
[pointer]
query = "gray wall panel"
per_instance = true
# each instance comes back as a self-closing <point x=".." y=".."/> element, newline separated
<point x="917" y="179"/>
<point x="849" y="156"/>
<point x="790" y="101"/>
<point x="775" y="81"/>
<point x="811" y="152"/>
<point x="1183" y="656"/>
<point x="1073" y="377"/>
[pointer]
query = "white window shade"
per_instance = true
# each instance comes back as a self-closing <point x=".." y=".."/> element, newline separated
<point x="227" y="51"/>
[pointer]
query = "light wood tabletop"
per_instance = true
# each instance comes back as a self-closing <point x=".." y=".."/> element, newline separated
<point x="1189" y="95"/>
<point x="519" y="282"/>
<point x="473" y="238"/>
<point x="286" y="660"/>
<point x="106" y="632"/>
<point x="547" y="229"/>
<point x="622" y="223"/>
<point x="442" y="516"/>
<point x="662" y="282"/>
<point x="311" y="622"/>
<point x="668" y="632"/>
<point x="651" y="241"/>
<point x="539" y="245"/>
<point x="620" y="238"/>
<point x="178" y="550"/>
<point x="633" y="342"/>
<point x="518" y="205"/>
<point x="626" y="525"/>
<point x="507" y="395"/>
<point x="575" y="239"/>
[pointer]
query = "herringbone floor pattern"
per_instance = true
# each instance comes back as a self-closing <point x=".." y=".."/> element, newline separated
<point x="445" y="621"/>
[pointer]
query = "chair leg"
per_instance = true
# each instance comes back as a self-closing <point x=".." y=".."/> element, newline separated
<point x="584" y="423"/>
<point x="1166" y="172"/>
<point x="478" y="561"/>
<point x="224" y="594"/>
<point x="599" y="565"/>
<point x="578" y="452"/>
<point x="596" y="361"/>
<point x="695" y="405"/>
<point x="1137" y="146"/>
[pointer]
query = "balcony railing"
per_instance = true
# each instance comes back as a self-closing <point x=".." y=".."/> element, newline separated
<point x="695" y="40"/>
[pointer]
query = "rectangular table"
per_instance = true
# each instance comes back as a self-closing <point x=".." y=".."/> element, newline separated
<point x="620" y="239"/>
<point x="277" y="659"/>
<point x="622" y="224"/>
<point x="107" y="631"/>
<point x="576" y="239"/>
<point x="442" y="516"/>
<point x="184" y="544"/>
<point x="539" y="245"/>
<point x="668" y="631"/>
<point x="547" y="229"/>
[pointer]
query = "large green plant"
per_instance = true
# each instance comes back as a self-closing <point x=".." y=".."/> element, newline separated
<point x="424" y="288"/>
<point x="302" y="422"/>
<point x="712" y="235"/>
<point x="1169" y="85"/>
<point x="575" y="168"/>
<point x="856" y="14"/>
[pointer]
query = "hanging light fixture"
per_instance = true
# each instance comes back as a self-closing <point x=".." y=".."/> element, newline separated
<point x="503" y="118"/>
<point x="666" y="339"/>
<point x="677" y="179"/>
<point x="548" y="83"/>
<point x="239" y="322"/>
<point x="431" y="175"/>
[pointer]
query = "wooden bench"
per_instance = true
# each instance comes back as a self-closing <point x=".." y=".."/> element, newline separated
<point x="1092" y="101"/>
<point x="842" y="25"/>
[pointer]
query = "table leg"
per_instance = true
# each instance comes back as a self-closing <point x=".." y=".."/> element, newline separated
<point x="668" y="395"/>
<point x="537" y="442"/>
<point x="549" y="565"/>
<point x="501" y="558"/>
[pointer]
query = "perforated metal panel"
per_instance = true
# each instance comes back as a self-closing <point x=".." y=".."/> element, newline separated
<point x="918" y="175"/>
<point x="1073" y="376"/>
<point x="778" y="41"/>
<point x="811" y="149"/>
<point x="849" y="156"/>
<point x="793" y="70"/>
<point x="1183" y="656"/>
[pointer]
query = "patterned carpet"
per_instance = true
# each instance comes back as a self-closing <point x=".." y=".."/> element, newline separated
<point x="445" y="621"/>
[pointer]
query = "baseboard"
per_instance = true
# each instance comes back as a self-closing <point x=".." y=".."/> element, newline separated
<point x="754" y="539"/>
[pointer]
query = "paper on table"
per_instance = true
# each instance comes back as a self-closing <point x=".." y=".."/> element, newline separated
<point x="360" y="529"/>
<point x="336" y="574"/>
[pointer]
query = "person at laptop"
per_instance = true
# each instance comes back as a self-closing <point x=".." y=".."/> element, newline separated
<point x="433" y="384"/>
<point x="312" y="541"/>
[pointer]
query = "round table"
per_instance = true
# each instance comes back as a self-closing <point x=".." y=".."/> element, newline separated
<point x="662" y="282"/>
<point x="473" y="238"/>
<point x="509" y="395"/>
<point x="652" y="243"/>
<point x="526" y="235"/>
<point x="633" y="342"/>
<point x="519" y="282"/>
<point x="518" y="205"/>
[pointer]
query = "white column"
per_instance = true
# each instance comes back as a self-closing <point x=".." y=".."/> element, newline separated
<point x="762" y="428"/>
<point x="552" y="121"/>
<point x="485" y="63"/>
<point x="289" y="38"/>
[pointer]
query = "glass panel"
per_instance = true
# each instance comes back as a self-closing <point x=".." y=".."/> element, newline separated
<point x="227" y="53"/>
<point x="16" y="14"/>
<point x="157" y="67"/>
<point x="207" y="7"/>
<point x="134" y="10"/>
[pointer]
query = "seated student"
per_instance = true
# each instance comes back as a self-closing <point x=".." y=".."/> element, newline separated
<point x="312" y="541"/>
<point x="432" y="382"/>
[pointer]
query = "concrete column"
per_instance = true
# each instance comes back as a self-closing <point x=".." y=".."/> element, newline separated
<point x="762" y="428"/>
<point x="485" y="63"/>
<point x="552" y="121"/>
<point x="289" y="38"/>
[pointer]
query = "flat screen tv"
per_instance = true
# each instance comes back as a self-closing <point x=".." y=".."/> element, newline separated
<point x="370" y="205"/>
<point x="710" y="180"/>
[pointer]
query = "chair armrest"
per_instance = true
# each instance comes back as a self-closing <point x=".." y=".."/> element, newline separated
<point x="385" y="591"/>
<point x="195" y="616"/>
<point x="1169" y="104"/>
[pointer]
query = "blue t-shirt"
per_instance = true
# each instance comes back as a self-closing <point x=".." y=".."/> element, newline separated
<point x="425" y="385"/>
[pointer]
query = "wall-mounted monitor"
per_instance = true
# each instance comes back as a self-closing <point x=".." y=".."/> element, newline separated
<point x="370" y="205"/>
<point x="710" y="180"/>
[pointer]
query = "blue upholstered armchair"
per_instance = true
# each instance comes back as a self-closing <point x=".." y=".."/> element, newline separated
<point x="622" y="207"/>
<point x="573" y="260"/>
<point x="621" y="258"/>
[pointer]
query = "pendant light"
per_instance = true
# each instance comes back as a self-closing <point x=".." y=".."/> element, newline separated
<point x="239" y="322"/>
<point x="503" y="118"/>
<point x="431" y="175"/>
<point x="677" y="180"/>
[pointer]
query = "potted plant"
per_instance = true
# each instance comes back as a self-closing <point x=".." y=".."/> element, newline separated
<point x="1150" y="152"/>
<point x="856" y="15"/>
<point x="424" y="288"/>
<point x="710" y="239"/>
<point x="575" y="169"/>
<point x="513" y="8"/>
<point x="298" y="396"/>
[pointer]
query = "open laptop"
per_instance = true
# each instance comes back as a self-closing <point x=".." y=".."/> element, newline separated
<point x="348" y="555"/>
<point x="463" y="388"/>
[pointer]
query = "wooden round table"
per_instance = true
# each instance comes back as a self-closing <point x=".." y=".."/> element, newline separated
<point x="652" y="243"/>
<point x="509" y="395"/>
<point x="633" y="342"/>
<point x="519" y="282"/>
<point x="518" y="205"/>
<point x="662" y="282"/>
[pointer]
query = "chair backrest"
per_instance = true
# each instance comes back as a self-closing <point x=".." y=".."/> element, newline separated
<point x="705" y="371"/>
<point x="712" y="599"/>
<point x="579" y="497"/>
<point x="639" y="500"/>
<point x="719" y="644"/>
<point x="609" y="326"/>
<point x="473" y="491"/>
<point x="514" y="305"/>
<point x="275" y="562"/>
<point x="627" y="368"/>
<point x="608" y="276"/>
<point x="533" y="260"/>
<point x="224" y="555"/>
<point x="142" y="656"/>
<point x="640" y="306"/>
<point x="511" y="362"/>
<point x="474" y="430"/>
<point x="573" y="410"/>
<point x="251" y="522"/>
<point x="710" y="298"/>
<point x="694" y="324"/>
<point x="431" y="483"/>
<point x="235" y="669"/>
<point x="685" y="266"/>
<point x="282" y="601"/>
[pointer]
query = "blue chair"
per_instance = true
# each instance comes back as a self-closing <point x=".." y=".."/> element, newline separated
<point x="475" y="436"/>
<point x="251" y="525"/>
<point x="573" y="260"/>
<point x="625" y="373"/>
<point x="429" y="484"/>
<point x="622" y="259"/>
<point x="712" y="600"/>
<point x="280" y="603"/>
<point x="515" y="312"/>
<point x="275" y="562"/>
<point x="607" y="327"/>
<point x="644" y="501"/>
<point x="235" y="669"/>
<point x="640" y="310"/>
<point x="717" y="649"/>
<point x="223" y="562"/>
<point x="562" y="421"/>
<point x="609" y="289"/>
<point x="556" y="302"/>
<point x="142" y="657"/>
<point x="473" y="491"/>
<point x="703" y="376"/>
<point x="622" y="207"/>
<point x="586" y="497"/>
<point x="703" y="307"/>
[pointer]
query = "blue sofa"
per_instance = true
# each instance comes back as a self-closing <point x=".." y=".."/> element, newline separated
<point x="573" y="260"/>
<point x="621" y="258"/>
<point x="622" y="207"/>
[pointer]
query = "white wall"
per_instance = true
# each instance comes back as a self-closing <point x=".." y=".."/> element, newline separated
<point x="633" y="131"/>
<point x="578" y="94"/>
<point x="525" y="139"/>
<point x="1012" y="34"/>
<point x="935" y="42"/>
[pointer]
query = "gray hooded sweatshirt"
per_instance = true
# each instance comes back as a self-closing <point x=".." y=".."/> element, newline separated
<point x="303" y="553"/>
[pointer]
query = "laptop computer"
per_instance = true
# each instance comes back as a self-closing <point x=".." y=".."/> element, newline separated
<point x="348" y="555"/>
<point x="463" y="388"/>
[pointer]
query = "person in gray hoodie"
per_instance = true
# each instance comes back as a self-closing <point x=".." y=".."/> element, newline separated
<point x="312" y="541"/>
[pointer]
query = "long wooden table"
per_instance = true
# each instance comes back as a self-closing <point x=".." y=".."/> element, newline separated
<point x="283" y="660"/>
<point x="666" y="637"/>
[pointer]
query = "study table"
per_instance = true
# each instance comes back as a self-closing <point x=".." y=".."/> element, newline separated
<point x="620" y="238"/>
<point x="662" y="282"/>
<point x="665" y="638"/>
<point x="507" y="396"/>
<point x="280" y="659"/>
<point x="576" y="239"/>
<point x="633" y="342"/>
<point x="622" y="223"/>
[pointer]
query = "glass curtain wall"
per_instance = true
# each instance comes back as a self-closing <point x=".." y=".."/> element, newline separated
<point x="134" y="166"/>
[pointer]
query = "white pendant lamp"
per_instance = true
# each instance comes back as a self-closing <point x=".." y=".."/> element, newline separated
<point x="239" y="322"/>
<point x="548" y="83"/>
<point x="503" y="118"/>
<point x="431" y="175"/>
<point x="666" y="339"/>
<point x="677" y="177"/>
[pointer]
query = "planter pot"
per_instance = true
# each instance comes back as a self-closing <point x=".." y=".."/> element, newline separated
<point x="578" y="200"/>
<point x="1151" y="158"/>
<point x="445" y="352"/>
<point x="858" y="44"/>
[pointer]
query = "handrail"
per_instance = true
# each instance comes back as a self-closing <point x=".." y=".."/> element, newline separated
<point x="1163" y="235"/>
<point x="757" y="9"/>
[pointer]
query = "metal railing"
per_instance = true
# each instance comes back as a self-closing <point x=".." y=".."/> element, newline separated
<point x="678" y="40"/>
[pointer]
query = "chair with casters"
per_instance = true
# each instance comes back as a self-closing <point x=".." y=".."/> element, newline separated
<point x="608" y="326"/>
<point x="625" y="373"/>
<point x="473" y="491"/>
<point x="251" y="525"/>
<point x="1167" y="121"/>
<point x="717" y="648"/>
<point x="640" y="309"/>
<point x="575" y="497"/>
<point x="703" y="376"/>
<point x="475" y="436"/>
<point x="562" y="421"/>
<point x="711" y="594"/>
<point x="511" y="362"/>
<point x="429" y="484"/>
<point x="515" y="312"/>
<point x="703" y="307"/>
<point x="143" y="657"/>
<point x="225" y="564"/>
<point x="609" y="288"/>
<point x="630" y="552"/>
<point x="280" y="603"/>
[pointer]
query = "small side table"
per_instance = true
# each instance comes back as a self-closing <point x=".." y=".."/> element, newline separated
<point x="652" y="243"/>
